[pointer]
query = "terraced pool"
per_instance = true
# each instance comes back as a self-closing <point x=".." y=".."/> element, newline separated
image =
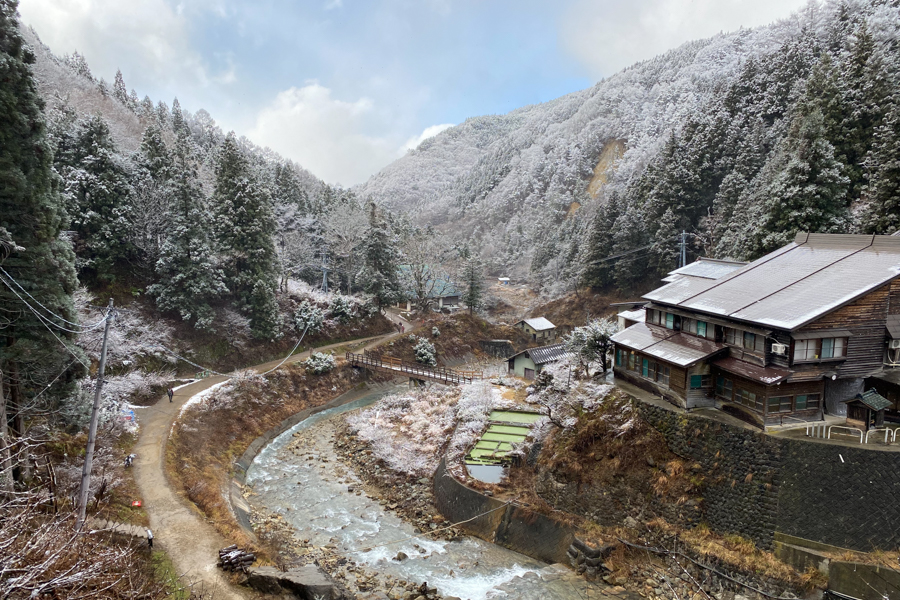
<point x="506" y="428"/>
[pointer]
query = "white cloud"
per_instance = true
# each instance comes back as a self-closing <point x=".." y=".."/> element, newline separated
<point x="111" y="34"/>
<point x="413" y="142"/>
<point x="325" y="135"/>
<point x="332" y="4"/>
<point x="608" y="35"/>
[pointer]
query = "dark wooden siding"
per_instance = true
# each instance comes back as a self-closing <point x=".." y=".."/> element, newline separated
<point x="894" y="298"/>
<point x="865" y="318"/>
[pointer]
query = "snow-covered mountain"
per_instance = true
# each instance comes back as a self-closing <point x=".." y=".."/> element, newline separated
<point x="512" y="185"/>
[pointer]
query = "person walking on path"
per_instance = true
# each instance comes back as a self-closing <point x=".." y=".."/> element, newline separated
<point x="170" y="392"/>
<point x="150" y="539"/>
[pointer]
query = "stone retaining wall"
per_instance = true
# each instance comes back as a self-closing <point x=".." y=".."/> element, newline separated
<point x="758" y="484"/>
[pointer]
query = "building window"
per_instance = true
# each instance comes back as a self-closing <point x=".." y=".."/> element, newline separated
<point x="654" y="369"/>
<point x="732" y="336"/>
<point x="751" y="341"/>
<point x="631" y="361"/>
<point x="670" y="321"/>
<point x="689" y="325"/>
<point x="825" y="348"/>
<point x="700" y="381"/>
<point x="645" y="367"/>
<point x="749" y="399"/>
<point x="618" y="357"/>
<point x="701" y="328"/>
<point x="724" y="388"/>
<point x="663" y="375"/>
<point x="807" y="402"/>
<point x="780" y="404"/>
<point x="653" y="316"/>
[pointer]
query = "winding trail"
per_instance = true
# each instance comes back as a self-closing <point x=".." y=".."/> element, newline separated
<point x="178" y="526"/>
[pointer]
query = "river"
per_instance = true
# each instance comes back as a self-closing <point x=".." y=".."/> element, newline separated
<point x="301" y="478"/>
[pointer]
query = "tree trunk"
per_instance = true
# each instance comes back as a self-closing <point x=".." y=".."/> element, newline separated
<point x="21" y="464"/>
<point x="6" y="478"/>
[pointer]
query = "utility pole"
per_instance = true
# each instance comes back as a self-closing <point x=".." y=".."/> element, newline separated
<point x="92" y="432"/>
<point x="683" y="248"/>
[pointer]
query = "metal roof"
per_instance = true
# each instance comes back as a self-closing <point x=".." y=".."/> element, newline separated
<point x="633" y="315"/>
<point x="709" y="268"/>
<point x="538" y="323"/>
<point x="793" y="285"/>
<point x="893" y="326"/>
<point x="764" y="375"/>
<point x="666" y="344"/>
<point x="544" y="354"/>
<point x="872" y="399"/>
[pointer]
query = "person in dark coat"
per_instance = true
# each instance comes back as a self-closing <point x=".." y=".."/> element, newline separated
<point x="170" y="392"/>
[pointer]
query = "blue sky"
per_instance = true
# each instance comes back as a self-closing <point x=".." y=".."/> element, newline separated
<point x="346" y="86"/>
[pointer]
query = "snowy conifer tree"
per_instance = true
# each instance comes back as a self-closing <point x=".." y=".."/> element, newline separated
<point x="243" y="232"/>
<point x="188" y="278"/>
<point x="380" y="274"/>
<point x="32" y="217"/>
<point x="97" y="187"/>
<point x="119" y="90"/>
<point x="473" y="280"/>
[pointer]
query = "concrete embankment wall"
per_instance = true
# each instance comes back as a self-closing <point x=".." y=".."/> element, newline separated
<point x="507" y="525"/>
<point x="757" y="485"/>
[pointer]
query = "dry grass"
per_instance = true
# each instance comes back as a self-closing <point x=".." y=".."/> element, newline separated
<point x="458" y="338"/>
<point x="205" y="443"/>
<point x="736" y="552"/>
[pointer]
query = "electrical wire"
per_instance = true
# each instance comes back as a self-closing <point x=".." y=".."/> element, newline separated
<point x="291" y="353"/>
<point x="44" y="319"/>
<point x="72" y="352"/>
<point x="10" y="277"/>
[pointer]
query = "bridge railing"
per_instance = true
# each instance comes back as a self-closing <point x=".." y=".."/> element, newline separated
<point x="414" y="369"/>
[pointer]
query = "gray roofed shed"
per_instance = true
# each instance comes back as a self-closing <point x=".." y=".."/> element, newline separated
<point x="538" y="323"/>
<point x="544" y="354"/>
<point x="794" y="285"/>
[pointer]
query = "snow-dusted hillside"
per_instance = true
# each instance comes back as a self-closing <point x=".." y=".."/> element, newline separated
<point x="508" y="183"/>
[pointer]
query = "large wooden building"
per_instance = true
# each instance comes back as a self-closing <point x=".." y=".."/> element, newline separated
<point x="789" y="336"/>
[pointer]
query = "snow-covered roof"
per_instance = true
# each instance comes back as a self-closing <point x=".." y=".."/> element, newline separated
<point x="667" y="344"/>
<point x="637" y="315"/>
<point x="794" y="285"/>
<point x="538" y="323"/>
<point x="706" y="268"/>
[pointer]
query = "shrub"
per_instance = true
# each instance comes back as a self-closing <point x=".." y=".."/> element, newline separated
<point x="308" y="316"/>
<point x="319" y="363"/>
<point x="342" y="309"/>
<point x="425" y="352"/>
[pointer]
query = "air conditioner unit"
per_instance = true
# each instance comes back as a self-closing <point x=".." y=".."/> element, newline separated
<point x="779" y="349"/>
<point x="895" y="344"/>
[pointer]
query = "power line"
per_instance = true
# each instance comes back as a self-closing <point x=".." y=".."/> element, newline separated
<point x="72" y="352"/>
<point x="44" y="320"/>
<point x="10" y="277"/>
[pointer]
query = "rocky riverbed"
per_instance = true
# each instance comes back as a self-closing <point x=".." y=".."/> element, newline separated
<point x="321" y="511"/>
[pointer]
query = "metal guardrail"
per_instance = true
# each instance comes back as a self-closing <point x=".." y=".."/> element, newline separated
<point x="396" y="365"/>
<point x="888" y="434"/>
<point x="853" y="429"/>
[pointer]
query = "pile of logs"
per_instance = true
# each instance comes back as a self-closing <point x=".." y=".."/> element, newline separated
<point x="233" y="558"/>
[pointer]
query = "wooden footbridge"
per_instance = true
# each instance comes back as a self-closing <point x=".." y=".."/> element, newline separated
<point x="415" y="371"/>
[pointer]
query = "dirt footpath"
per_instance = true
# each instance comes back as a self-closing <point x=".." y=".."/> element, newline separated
<point x="178" y="526"/>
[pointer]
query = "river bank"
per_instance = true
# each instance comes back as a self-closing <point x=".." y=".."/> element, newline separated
<point x="319" y="507"/>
